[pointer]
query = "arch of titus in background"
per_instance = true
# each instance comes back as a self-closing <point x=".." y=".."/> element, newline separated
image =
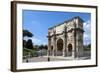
<point x="66" y="39"/>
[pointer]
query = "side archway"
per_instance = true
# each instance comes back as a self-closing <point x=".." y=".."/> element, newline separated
<point x="59" y="47"/>
<point x="70" y="47"/>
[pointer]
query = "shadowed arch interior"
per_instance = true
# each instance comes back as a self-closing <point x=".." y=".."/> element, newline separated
<point x="60" y="44"/>
<point x="70" y="49"/>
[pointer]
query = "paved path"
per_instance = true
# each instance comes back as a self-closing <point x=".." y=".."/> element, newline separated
<point x="51" y="58"/>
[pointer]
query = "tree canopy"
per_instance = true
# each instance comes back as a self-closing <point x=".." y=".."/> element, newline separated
<point x="29" y="44"/>
<point x="27" y="33"/>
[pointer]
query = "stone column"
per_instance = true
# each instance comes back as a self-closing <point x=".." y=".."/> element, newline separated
<point x="65" y="42"/>
<point x="54" y="43"/>
<point x="64" y="49"/>
<point x="74" y="50"/>
<point x="54" y="48"/>
<point x="74" y="54"/>
<point x="49" y="44"/>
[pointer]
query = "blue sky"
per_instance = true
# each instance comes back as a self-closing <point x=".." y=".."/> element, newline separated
<point x="38" y="23"/>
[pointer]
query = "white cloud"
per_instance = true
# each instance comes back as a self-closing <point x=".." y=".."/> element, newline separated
<point x="87" y="32"/>
<point x="37" y="41"/>
<point x="87" y="26"/>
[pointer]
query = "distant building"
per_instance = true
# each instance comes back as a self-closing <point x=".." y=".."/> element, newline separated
<point x="66" y="39"/>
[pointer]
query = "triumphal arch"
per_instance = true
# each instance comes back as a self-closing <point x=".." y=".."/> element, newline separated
<point x="66" y="39"/>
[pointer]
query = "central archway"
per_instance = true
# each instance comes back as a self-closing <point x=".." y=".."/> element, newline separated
<point x="70" y="49"/>
<point x="59" y="47"/>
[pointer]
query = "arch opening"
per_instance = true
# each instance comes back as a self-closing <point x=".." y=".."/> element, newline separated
<point x="70" y="49"/>
<point x="59" y="47"/>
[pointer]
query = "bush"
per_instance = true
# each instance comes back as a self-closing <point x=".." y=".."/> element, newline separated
<point x="34" y="54"/>
<point x="26" y="52"/>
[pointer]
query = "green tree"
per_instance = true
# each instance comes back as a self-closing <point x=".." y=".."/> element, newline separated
<point x="41" y="47"/>
<point x="26" y="33"/>
<point x="29" y="44"/>
<point x="24" y="43"/>
<point x="45" y="47"/>
<point x="89" y="46"/>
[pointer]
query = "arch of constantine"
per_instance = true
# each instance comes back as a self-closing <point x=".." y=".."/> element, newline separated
<point x="66" y="39"/>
